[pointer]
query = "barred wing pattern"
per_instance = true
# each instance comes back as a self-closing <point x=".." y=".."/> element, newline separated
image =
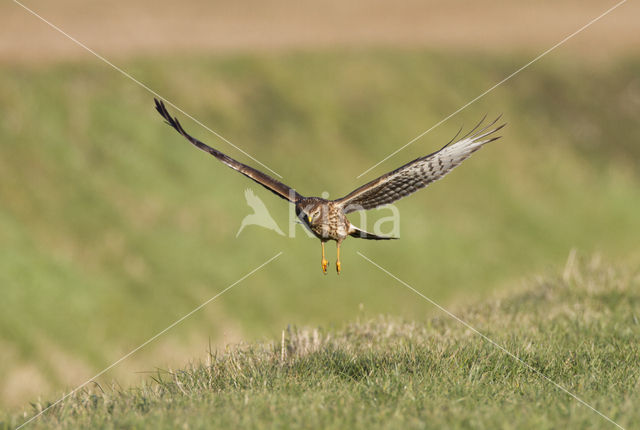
<point x="271" y="184"/>
<point x="420" y="172"/>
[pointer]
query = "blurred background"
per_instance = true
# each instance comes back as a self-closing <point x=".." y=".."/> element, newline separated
<point x="112" y="226"/>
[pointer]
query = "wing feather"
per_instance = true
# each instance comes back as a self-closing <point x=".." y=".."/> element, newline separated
<point x="263" y="179"/>
<point x="420" y="172"/>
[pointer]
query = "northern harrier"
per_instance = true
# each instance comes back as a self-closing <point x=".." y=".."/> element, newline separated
<point x="327" y="218"/>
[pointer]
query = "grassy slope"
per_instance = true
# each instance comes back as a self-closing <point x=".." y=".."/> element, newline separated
<point x="581" y="330"/>
<point x="112" y="227"/>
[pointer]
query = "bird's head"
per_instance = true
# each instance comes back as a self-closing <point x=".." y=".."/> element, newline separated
<point x="309" y="213"/>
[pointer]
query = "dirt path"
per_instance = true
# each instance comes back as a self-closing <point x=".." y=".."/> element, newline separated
<point x="120" y="28"/>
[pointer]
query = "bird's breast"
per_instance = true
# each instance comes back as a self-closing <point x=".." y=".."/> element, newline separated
<point x="332" y="224"/>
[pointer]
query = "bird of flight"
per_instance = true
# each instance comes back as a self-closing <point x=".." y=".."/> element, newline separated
<point x="327" y="218"/>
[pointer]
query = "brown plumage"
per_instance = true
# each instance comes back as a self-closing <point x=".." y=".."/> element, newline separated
<point x="327" y="218"/>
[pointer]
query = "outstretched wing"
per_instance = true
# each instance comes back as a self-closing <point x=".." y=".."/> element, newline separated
<point x="420" y="172"/>
<point x="263" y="179"/>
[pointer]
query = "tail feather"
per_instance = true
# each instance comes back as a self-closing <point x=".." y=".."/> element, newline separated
<point x="356" y="232"/>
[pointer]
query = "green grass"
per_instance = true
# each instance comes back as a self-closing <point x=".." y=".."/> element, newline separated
<point x="112" y="226"/>
<point x="580" y="329"/>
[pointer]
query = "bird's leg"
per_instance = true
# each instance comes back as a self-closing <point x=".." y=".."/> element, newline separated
<point x="324" y="261"/>
<point x="338" y="257"/>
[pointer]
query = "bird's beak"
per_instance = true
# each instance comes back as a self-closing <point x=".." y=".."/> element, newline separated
<point x="309" y="218"/>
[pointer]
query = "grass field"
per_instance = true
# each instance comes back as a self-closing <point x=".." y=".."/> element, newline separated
<point x="112" y="227"/>
<point x="579" y="328"/>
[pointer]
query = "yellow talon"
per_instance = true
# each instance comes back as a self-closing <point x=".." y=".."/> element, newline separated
<point x="338" y="267"/>
<point x="325" y="263"/>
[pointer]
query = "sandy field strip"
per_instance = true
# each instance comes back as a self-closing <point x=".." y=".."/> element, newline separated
<point x="123" y="28"/>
